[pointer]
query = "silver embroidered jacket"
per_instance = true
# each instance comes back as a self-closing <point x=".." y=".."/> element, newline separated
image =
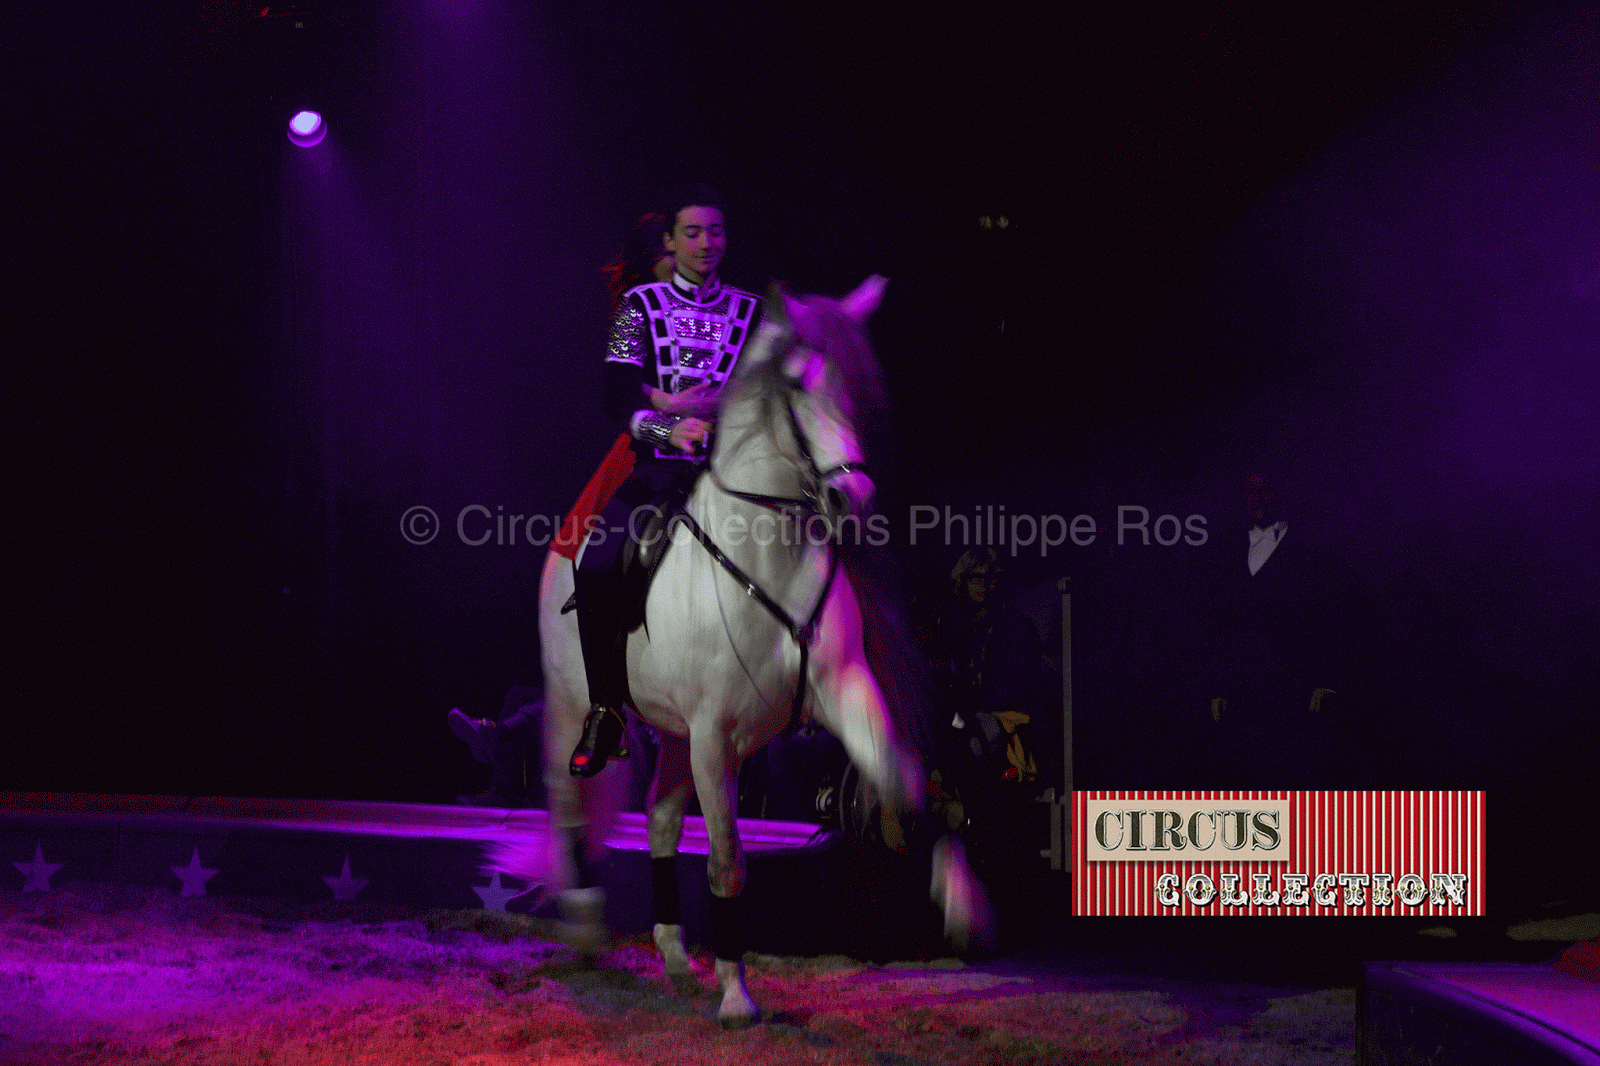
<point x="673" y="336"/>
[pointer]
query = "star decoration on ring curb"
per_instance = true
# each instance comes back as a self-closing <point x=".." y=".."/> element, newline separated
<point x="194" y="876"/>
<point x="344" y="886"/>
<point x="38" y="872"/>
<point x="494" y="894"/>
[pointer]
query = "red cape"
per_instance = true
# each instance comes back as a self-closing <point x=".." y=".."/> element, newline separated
<point x="614" y="470"/>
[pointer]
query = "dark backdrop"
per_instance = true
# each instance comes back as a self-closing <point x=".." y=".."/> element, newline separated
<point x="1354" y="253"/>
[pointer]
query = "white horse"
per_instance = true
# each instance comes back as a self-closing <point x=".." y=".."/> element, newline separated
<point x="748" y="611"/>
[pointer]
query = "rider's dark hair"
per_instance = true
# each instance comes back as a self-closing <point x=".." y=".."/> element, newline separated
<point x="692" y="194"/>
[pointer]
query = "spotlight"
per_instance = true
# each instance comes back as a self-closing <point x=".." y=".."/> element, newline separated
<point x="307" y="129"/>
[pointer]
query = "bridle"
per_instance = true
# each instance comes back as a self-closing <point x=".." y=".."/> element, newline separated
<point x="813" y="482"/>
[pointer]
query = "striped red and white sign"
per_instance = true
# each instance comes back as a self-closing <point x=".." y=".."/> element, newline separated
<point x="1343" y="853"/>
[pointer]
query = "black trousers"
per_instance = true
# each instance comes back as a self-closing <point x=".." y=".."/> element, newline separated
<point x="601" y="626"/>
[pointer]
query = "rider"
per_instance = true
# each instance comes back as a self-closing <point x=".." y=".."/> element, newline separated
<point x="673" y="345"/>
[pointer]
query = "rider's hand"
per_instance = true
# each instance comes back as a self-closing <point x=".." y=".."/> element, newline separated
<point x="689" y="433"/>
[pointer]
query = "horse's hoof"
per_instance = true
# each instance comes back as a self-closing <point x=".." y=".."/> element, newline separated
<point x="601" y="740"/>
<point x="581" y="925"/>
<point x="738" y="1010"/>
<point x="675" y="957"/>
<point x="586" y="940"/>
<point x="738" y="1019"/>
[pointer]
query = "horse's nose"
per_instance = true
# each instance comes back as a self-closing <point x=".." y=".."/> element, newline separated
<point x="848" y="494"/>
<point x="835" y="502"/>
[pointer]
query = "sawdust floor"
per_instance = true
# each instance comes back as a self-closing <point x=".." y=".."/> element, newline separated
<point x="120" y="975"/>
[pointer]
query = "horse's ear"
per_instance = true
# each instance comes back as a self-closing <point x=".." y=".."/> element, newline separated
<point x="783" y="310"/>
<point x="777" y="331"/>
<point x="860" y="304"/>
<point x="794" y="319"/>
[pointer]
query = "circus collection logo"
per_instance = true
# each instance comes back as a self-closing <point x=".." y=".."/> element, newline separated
<point x="1278" y="853"/>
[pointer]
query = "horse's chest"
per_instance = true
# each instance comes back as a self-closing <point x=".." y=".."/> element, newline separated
<point x="686" y="676"/>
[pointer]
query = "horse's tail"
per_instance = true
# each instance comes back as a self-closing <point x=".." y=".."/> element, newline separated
<point x="896" y="664"/>
<point x="525" y="858"/>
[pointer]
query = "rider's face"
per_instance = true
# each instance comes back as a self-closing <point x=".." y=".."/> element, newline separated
<point x="698" y="242"/>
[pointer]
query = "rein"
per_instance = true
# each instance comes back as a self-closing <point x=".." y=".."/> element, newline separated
<point x="803" y="633"/>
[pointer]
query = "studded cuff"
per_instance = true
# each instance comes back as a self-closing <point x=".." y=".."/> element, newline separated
<point x="655" y="427"/>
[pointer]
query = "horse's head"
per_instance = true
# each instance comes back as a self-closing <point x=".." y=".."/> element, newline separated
<point x="813" y="361"/>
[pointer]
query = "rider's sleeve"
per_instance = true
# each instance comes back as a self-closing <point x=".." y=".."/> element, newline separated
<point x="653" y="427"/>
<point x="628" y="369"/>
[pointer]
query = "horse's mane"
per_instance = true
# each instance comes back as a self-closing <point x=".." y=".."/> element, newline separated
<point x="825" y="328"/>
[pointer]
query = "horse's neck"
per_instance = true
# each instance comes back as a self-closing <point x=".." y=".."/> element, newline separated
<point x="748" y="455"/>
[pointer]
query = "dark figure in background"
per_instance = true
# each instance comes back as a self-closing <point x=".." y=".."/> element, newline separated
<point x="987" y="660"/>
<point x="797" y="777"/>
<point x="511" y="748"/>
<point x="1280" y="665"/>
<point x="673" y="345"/>
<point x="510" y="745"/>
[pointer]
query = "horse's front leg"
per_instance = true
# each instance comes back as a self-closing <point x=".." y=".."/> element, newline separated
<point x="714" y="760"/>
<point x="669" y="794"/>
<point x="851" y="706"/>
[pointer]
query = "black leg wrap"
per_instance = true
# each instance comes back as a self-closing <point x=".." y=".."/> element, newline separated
<point x="727" y="936"/>
<point x="588" y="876"/>
<point x="664" y="889"/>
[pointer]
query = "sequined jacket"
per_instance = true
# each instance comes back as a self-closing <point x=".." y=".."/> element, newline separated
<point x="672" y="336"/>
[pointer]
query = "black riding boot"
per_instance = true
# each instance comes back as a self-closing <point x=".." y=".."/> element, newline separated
<point x="605" y="646"/>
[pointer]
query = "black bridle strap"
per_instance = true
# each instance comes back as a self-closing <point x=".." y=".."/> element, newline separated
<point x="782" y="504"/>
<point x="786" y="504"/>
<point x="802" y="632"/>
